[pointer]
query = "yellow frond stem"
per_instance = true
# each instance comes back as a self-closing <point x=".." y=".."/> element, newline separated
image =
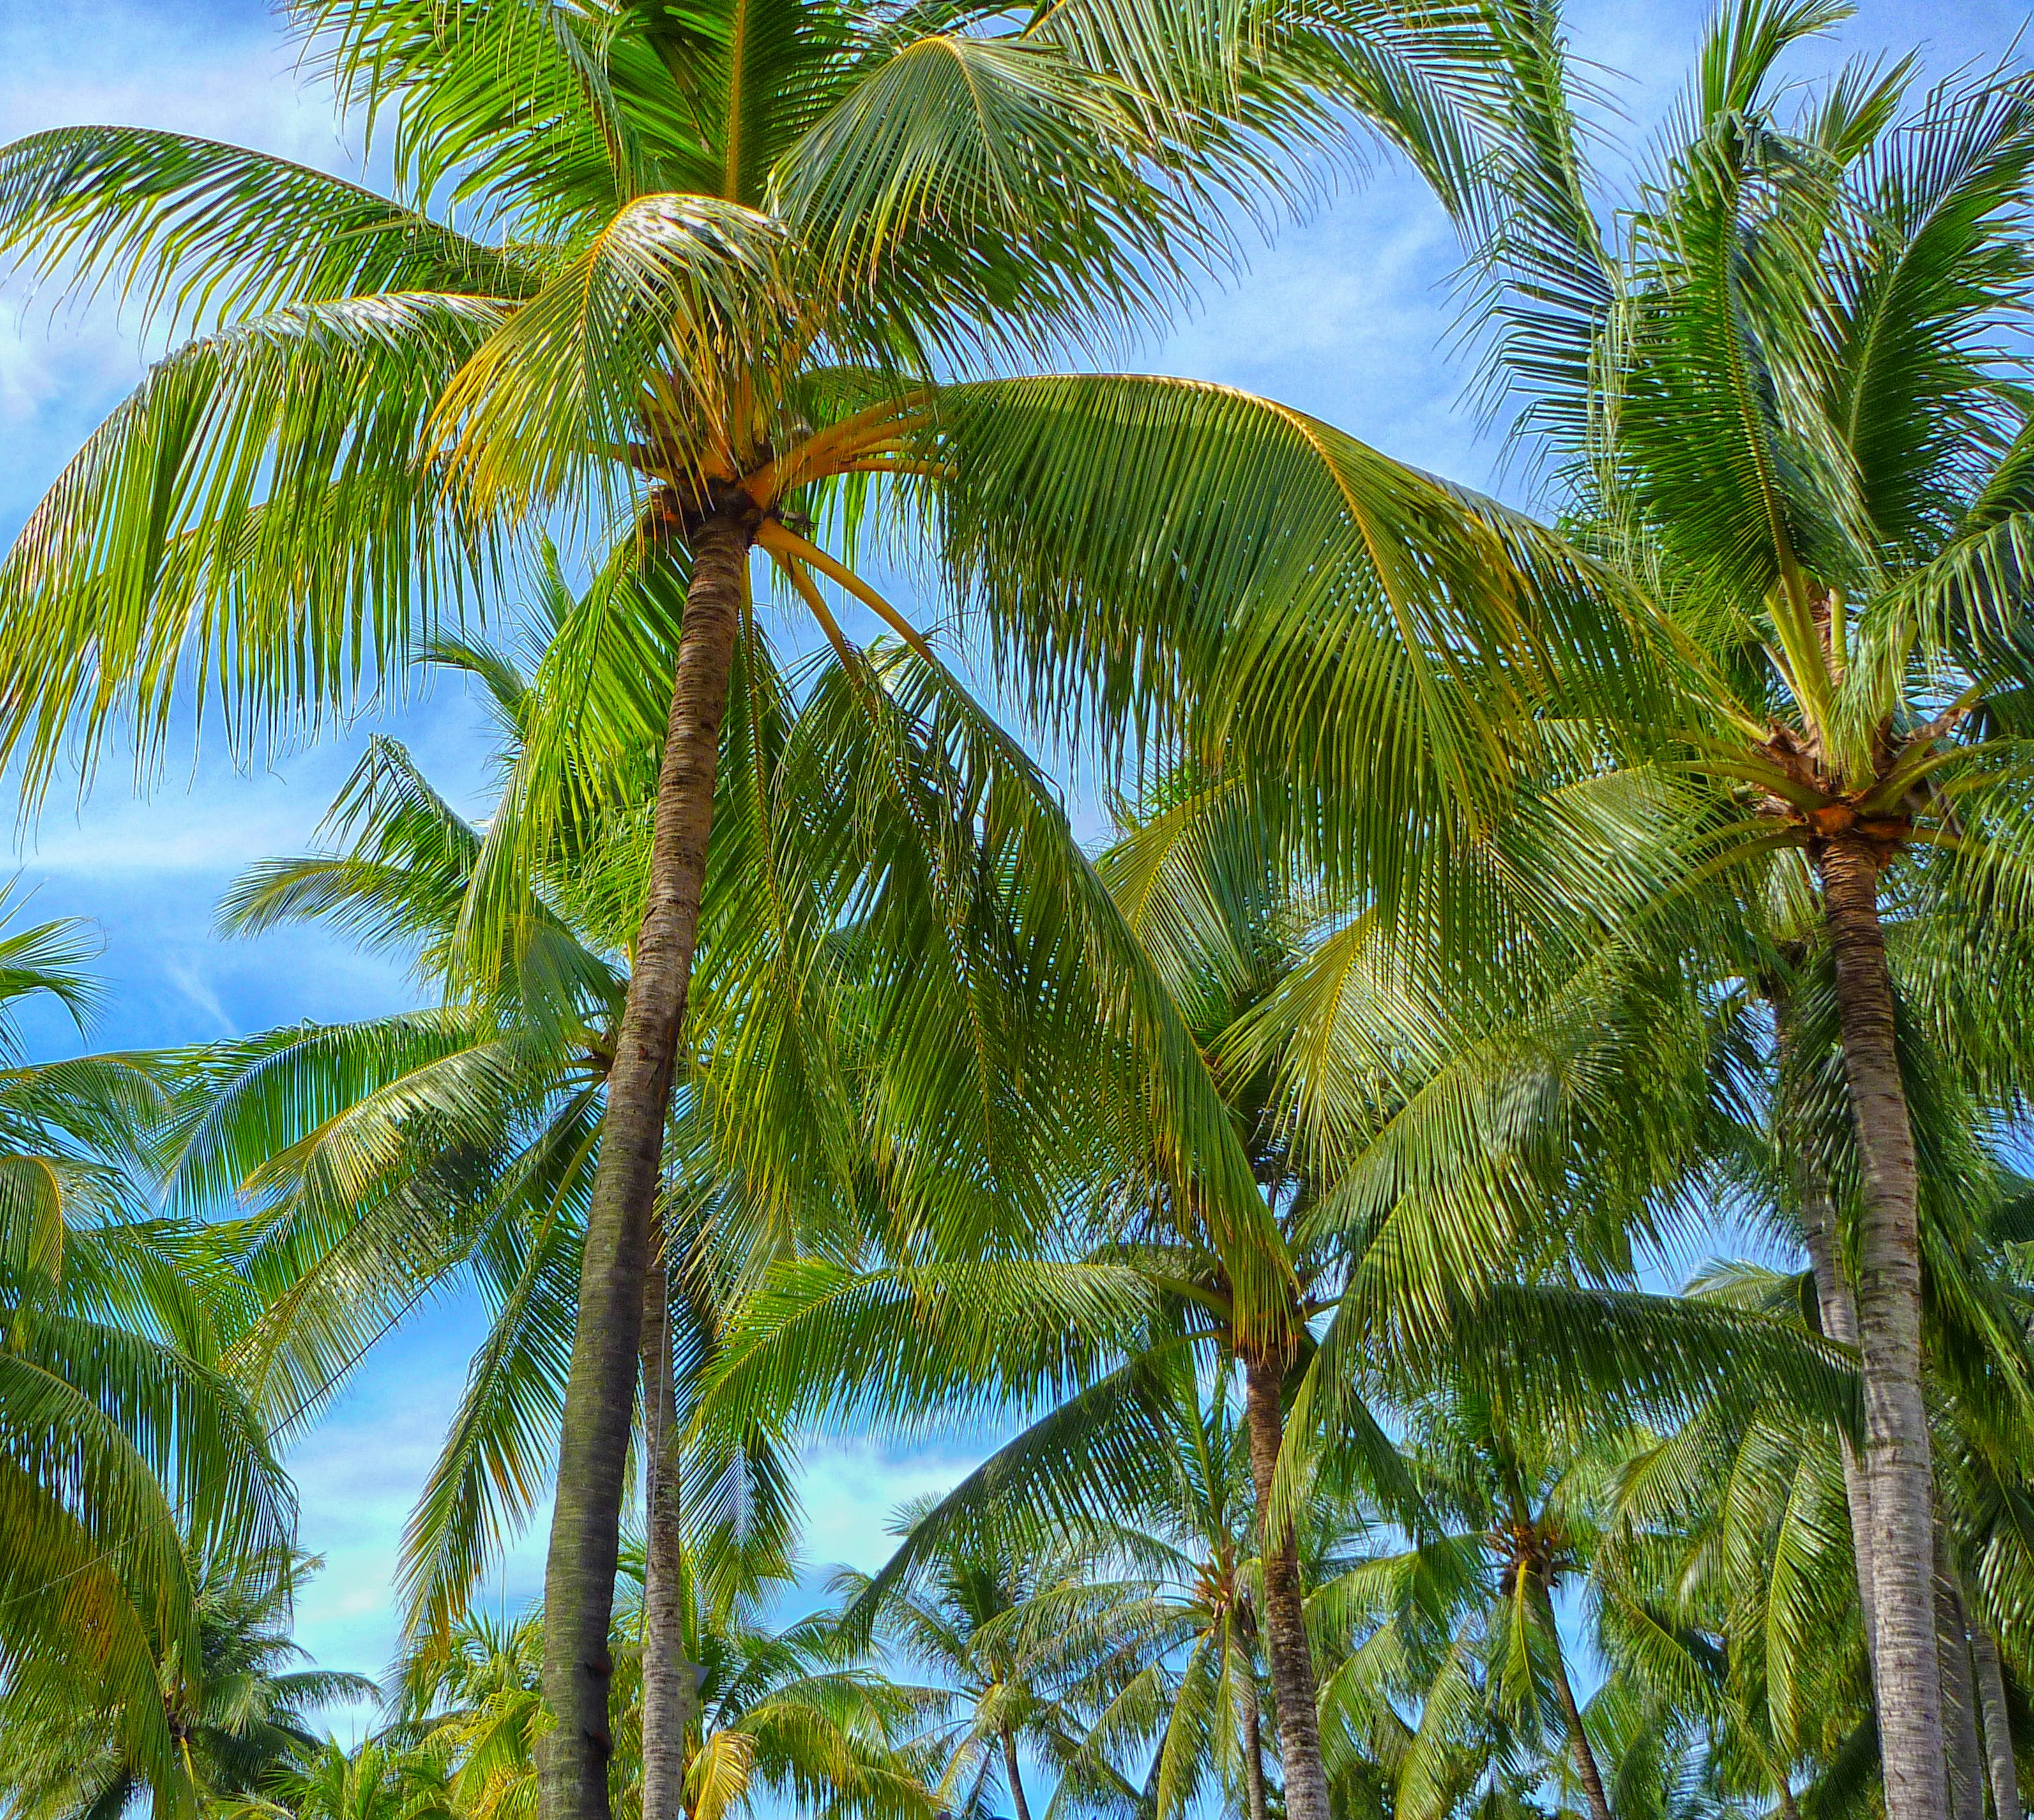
<point x="780" y="541"/>
<point x="866" y="432"/>
<point x="810" y="595"/>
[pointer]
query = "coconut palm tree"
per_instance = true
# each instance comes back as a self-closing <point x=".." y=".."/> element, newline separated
<point x="779" y="1713"/>
<point x="1159" y="1647"/>
<point x="1783" y="406"/>
<point x="135" y="1475"/>
<point x="1179" y="1672"/>
<point x="239" y="1711"/>
<point x="1468" y="1617"/>
<point x="979" y="1616"/>
<point x="381" y="1162"/>
<point x="1445" y="1192"/>
<point x="369" y="1782"/>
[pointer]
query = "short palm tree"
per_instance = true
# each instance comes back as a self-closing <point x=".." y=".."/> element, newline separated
<point x="372" y="1781"/>
<point x="779" y="1713"/>
<point x="136" y="1479"/>
<point x="974" y="1615"/>
<point x="239" y="1711"/>
<point x="1466" y="1623"/>
<point x="1181" y="1674"/>
<point x="1787" y="410"/>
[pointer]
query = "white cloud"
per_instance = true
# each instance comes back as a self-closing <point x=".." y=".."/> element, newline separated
<point x="852" y="1486"/>
<point x="181" y="67"/>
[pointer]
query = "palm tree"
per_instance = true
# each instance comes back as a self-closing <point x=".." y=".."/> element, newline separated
<point x="1786" y="412"/>
<point x="370" y="1782"/>
<point x="1449" y="1191"/>
<point x="1465" y="1622"/>
<point x="238" y="1711"/>
<point x="730" y="255"/>
<point x="1180" y="1660"/>
<point x="972" y="1616"/>
<point x="1159" y="1648"/>
<point x="779" y="1713"/>
<point x="134" y="1472"/>
<point x="382" y="1162"/>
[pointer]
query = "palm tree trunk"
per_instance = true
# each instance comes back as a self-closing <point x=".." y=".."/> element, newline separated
<point x="1285" y="1646"/>
<point x="2006" y="1804"/>
<point x="1898" y="1478"/>
<point x="1253" y="1747"/>
<point x="1839" y="1317"/>
<point x="1834" y="1301"/>
<point x="670" y="1694"/>
<point x="1959" y="1688"/>
<point x="586" y="1520"/>
<point x="1014" y="1774"/>
<point x="1585" y="1766"/>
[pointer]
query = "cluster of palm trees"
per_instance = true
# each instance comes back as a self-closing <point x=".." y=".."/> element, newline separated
<point x="1493" y="901"/>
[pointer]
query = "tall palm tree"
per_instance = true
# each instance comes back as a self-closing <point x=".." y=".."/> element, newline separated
<point x="728" y="251"/>
<point x="379" y="1163"/>
<point x="1446" y="1189"/>
<point x="1785" y="407"/>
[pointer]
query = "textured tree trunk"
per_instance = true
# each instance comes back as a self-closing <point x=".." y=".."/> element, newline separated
<point x="1821" y="1237"/>
<point x="1839" y="1314"/>
<point x="2006" y="1803"/>
<point x="670" y="1694"/>
<point x="586" y="1521"/>
<point x="1592" y="1779"/>
<point x="1014" y="1773"/>
<point x="1253" y="1748"/>
<point x="1966" y="1763"/>
<point x="1898" y="1477"/>
<point x="1285" y="1646"/>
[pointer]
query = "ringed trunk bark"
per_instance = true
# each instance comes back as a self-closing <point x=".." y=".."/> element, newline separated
<point x="586" y="1521"/>
<point x="670" y="1694"/>
<point x="1897" y="1470"/>
<point x="1586" y="1767"/>
<point x="1838" y="1306"/>
<point x="1285" y="1646"/>
<point x="2005" y="1772"/>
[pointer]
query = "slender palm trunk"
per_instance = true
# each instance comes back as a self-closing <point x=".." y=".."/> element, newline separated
<point x="1839" y="1314"/>
<point x="586" y="1521"/>
<point x="1834" y="1301"/>
<point x="1253" y="1747"/>
<point x="1966" y="1763"/>
<point x="1285" y="1646"/>
<point x="670" y="1695"/>
<point x="1897" y="1473"/>
<point x="1013" y="1774"/>
<point x="1585" y="1766"/>
<point x="2006" y="1804"/>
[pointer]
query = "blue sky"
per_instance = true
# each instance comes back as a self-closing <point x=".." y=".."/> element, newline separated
<point x="1346" y="318"/>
